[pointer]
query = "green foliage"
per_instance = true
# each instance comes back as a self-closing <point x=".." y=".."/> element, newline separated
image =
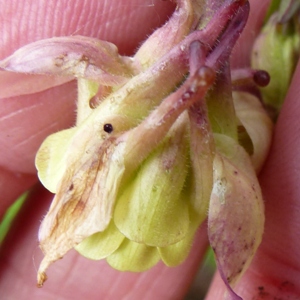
<point x="10" y="216"/>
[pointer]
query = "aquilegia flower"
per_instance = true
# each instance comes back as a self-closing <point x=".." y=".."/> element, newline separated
<point x="163" y="140"/>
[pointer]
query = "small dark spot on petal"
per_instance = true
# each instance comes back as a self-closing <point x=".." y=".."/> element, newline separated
<point x="108" y="128"/>
<point x="71" y="187"/>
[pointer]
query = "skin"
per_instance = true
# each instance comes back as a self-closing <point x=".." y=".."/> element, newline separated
<point x="26" y="121"/>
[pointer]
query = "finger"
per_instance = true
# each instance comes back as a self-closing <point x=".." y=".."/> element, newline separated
<point x="25" y="121"/>
<point x="275" y="271"/>
<point x="24" y="124"/>
<point x="125" y="23"/>
<point x="12" y="185"/>
<point x="75" y="277"/>
<point x="242" y="52"/>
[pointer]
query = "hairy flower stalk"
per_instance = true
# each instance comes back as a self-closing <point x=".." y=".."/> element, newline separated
<point x="163" y="140"/>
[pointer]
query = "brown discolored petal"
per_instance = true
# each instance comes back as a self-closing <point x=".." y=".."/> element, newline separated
<point x="83" y="202"/>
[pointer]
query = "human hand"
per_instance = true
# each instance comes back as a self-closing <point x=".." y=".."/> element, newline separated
<point x="75" y="277"/>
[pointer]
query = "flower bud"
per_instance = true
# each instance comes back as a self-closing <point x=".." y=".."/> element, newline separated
<point x="276" y="50"/>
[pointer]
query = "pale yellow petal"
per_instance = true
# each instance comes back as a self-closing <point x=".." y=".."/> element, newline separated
<point x="51" y="158"/>
<point x="101" y="244"/>
<point x="134" y="257"/>
<point x="175" y="254"/>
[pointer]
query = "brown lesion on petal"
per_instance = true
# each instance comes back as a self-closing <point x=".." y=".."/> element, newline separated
<point x="60" y="60"/>
<point x="74" y="208"/>
<point x="79" y="208"/>
<point x="71" y="187"/>
<point x="79" y="67"/>
<point x="63" y="59"/>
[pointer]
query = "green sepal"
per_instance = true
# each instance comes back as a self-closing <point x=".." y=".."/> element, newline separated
<point x="220" y="105"/>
